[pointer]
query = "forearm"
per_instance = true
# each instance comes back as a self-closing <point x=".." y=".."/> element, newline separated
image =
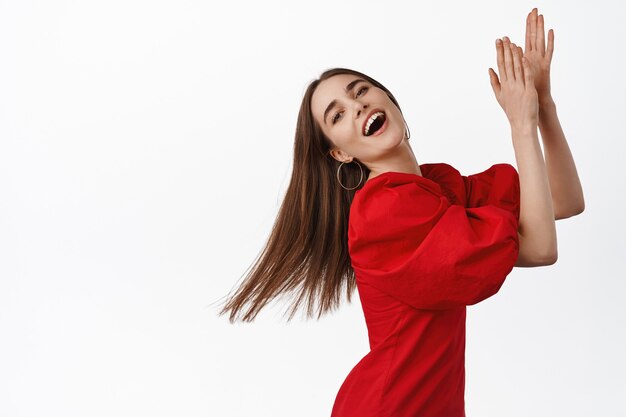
<point x="567" y="193"/>
<point x="537" y="229"/>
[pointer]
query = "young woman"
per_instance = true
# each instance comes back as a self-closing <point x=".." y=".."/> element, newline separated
<point x="420" y="242"/>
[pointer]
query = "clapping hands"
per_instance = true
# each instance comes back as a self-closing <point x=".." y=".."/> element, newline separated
<point x="515" y="88"/>
<point x="524" y="76"/>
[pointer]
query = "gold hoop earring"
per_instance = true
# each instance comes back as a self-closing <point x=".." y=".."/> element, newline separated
<point x="361" y="179"/>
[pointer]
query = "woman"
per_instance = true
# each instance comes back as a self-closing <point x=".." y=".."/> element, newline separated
<point x="421" y="242"/>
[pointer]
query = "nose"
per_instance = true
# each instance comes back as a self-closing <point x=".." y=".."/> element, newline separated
<point x="361" y="108"/>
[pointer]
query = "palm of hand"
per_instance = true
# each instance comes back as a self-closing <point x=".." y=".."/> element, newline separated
<point x="539" y="57"/>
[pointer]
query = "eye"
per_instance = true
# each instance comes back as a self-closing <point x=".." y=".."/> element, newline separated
<point x="360" y="89"/>
<point x="358" y="94"/>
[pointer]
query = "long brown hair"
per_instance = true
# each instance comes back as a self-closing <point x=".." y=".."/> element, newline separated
<point x="307" y="250"/>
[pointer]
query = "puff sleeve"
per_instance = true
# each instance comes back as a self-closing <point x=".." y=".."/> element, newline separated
<point x="407" y="239"/>
<point x="499" y="185"/>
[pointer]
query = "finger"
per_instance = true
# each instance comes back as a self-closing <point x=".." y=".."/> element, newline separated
<point x="550" y="49"/>
<point x="517" y="63"/>
<point x="533" y="29"/>
<point x="541" y="42"/>
<point x="528" y="46"/>
<point x="508" y="60"/>
<point x="500" y="59"/>
<point x="529" y="80"/>
<point x="495" y="84"/>
<point x="521" y="54"/>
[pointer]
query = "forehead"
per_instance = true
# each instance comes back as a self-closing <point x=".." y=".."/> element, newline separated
<point x="328" y="90"/>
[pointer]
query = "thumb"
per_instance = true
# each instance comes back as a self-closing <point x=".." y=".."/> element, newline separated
<point x="495" y="83"/>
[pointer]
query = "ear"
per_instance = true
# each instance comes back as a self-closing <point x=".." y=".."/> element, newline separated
<point x="340" y="155"/>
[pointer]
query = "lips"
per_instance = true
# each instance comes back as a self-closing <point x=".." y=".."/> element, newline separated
<point x="368" y="117"/>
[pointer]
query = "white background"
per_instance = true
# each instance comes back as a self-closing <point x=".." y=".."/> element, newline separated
<point x="145" y="148"/>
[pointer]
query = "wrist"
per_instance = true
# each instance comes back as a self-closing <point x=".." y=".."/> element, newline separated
<point x="523" y="135"/>
<point x="546" y="102"/>
<point x="547" y="112"/>
<point x="524" y="140"/>
<point x="523" y="130"/>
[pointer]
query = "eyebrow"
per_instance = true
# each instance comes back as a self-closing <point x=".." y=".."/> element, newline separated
<point x="333" y="103"/>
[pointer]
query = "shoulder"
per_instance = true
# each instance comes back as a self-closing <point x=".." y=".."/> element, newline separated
<point x="497" y="185"/>
<point x="395" y="204"/>
<point x="458" y="187"/>
<point x="497" y="169"/>
<point x="437" y="179"/>
<point x="394" y="185"/>
<point x="497" y="174"/>
<point x="395" y="196"/>
<point x="391" y="213"/>
<point x="438" y="168"/>
<point x="449" y="178"/>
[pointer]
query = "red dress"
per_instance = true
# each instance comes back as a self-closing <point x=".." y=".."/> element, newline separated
<point x="423" y="248"/>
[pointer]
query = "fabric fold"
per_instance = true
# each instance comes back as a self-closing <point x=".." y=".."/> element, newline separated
<point x="437" y="241"/>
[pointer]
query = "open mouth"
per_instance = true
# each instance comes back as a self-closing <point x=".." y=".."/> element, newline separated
<point x="374" y="123"/>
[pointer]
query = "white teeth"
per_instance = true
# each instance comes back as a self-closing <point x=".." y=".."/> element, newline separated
<point x="371" y="120"/>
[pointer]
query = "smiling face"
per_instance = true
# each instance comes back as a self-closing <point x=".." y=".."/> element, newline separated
<point x="343" y="104"/>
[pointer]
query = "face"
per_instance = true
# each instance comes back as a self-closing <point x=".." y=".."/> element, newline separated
<point x="343" y="116"/>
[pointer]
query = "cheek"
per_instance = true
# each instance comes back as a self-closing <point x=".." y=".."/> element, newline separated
<point x="344" y="137"/>
<point x="350" y="135"/>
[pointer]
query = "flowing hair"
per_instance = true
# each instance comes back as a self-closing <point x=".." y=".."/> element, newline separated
<point x="307" y="250"/>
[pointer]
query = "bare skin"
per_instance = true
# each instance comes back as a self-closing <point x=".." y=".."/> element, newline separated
<point x="343" y="125"/>
<point x="567" y="192"/>
<point x="538" y="245"/>
<point x="516" y="94"/>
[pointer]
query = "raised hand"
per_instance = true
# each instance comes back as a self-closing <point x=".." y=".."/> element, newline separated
<point x="539" y="57"/>
<point x="515" y="90"/>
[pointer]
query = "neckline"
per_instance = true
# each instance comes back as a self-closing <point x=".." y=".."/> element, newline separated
<point x="387" y="173"/>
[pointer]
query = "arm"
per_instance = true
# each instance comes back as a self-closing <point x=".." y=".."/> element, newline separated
<point x="567" y="193"/>
<point x="517" y="94"/>
<point x="537" y="229"/>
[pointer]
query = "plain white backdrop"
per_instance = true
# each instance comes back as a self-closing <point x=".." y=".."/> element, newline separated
<point x="145" y="147"/>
